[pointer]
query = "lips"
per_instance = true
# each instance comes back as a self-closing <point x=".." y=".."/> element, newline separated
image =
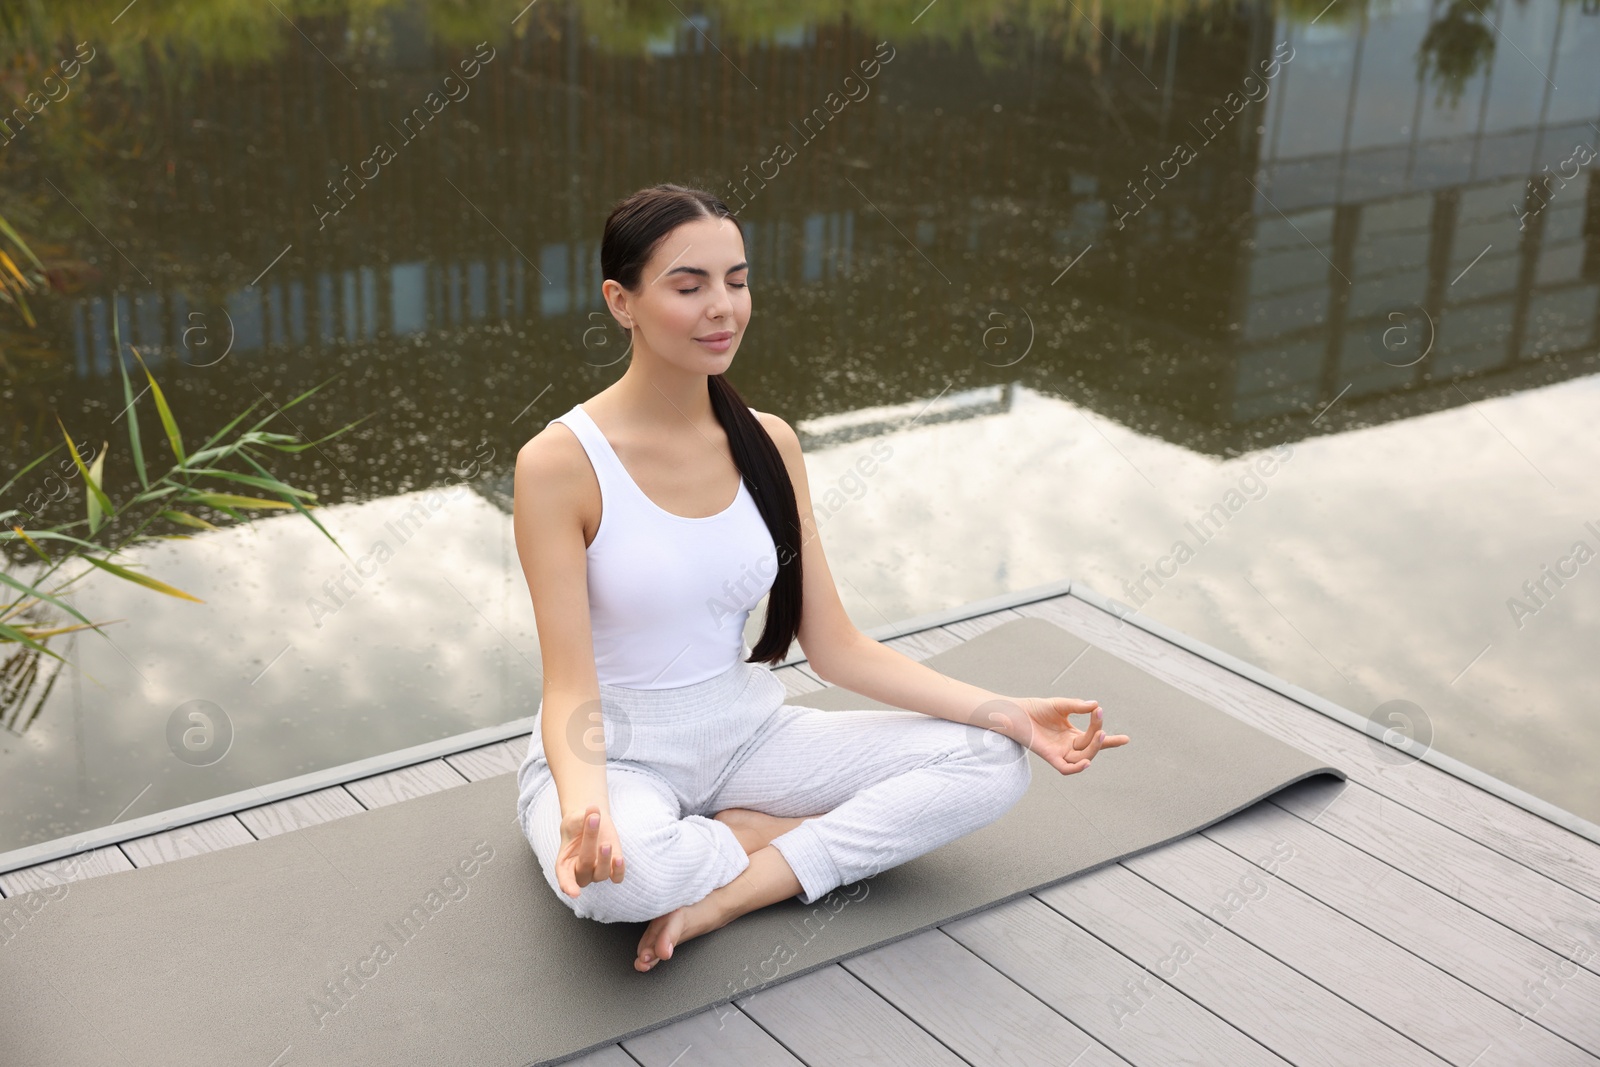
<point x="713" y="338"/>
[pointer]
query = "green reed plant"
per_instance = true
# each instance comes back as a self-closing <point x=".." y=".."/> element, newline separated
<point x="15" y="284"/>
<point x="162" y="496"/>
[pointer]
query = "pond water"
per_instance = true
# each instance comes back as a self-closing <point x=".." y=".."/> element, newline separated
<point x="1220" y="309"/>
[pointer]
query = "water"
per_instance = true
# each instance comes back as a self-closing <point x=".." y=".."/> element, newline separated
<point x="1101" y="289"/>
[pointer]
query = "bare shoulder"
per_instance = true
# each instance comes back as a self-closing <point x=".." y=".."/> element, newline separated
<point x="781" y="432"/>
<point x="551" y="462"/>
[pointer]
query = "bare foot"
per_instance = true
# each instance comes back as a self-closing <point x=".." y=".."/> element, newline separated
<point x="665" y="933"/>
<point x="756" y="829"/>
<point x="766" y="880"/>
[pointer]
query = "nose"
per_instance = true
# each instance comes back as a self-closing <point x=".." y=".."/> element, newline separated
<point x="722" y="307"/>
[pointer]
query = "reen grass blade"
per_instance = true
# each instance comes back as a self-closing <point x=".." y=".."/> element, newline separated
<point x="18" y="606"/>
<point x="156" y="494"/>
<point x="46" y="535"/>
<point x="97" y="469"/>
<point x="15" y="273"/>
<point x="141" y="579"/>
<point x="40" y="594"/>
<point x="209" y="455"/>
<point x="88" y="481"/>
<point x="134" y="443"/>
<point x="15" y="478"/>
<point x="16" y="533"/>
<point x="167" y="421"/>
<point x="236" y="420"/>
<point x="187" y="519"/>
<point x="248" y="458"/>
<point x="16" y="239"/>
<point x="276" y="410"/>
<point x="268" y="482"/>
<point x="313" y="444"/>
<point x="229" y="500"/>
<point x="11" y="633"/>
<point x="74" y="628"/>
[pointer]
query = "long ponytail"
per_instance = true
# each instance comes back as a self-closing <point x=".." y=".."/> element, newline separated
<point x="761" y="465"/>
<point x="633" y="229"/>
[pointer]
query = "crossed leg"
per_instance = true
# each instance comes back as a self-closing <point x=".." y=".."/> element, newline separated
<point x="756" y="829"/>
<point x="896" y="783"/>
<point x="772" y="882"/>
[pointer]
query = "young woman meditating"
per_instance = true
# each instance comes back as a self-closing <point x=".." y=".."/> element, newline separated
<point x="666" y="781"/>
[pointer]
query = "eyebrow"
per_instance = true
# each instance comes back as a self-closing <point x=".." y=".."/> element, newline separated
<point x="700" y="272"/>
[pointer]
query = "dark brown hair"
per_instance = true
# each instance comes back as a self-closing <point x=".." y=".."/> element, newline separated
<point x="635" y="227"/>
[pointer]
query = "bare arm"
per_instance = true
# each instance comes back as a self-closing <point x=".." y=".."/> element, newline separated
<point x="844" y="656"/>
<point x="547" y="499"/>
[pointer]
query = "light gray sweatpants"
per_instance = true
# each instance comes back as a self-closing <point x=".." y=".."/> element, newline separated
<point x="894" y="784"/>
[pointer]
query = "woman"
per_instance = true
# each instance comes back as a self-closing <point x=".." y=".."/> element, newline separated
<point x="702" y="795"/>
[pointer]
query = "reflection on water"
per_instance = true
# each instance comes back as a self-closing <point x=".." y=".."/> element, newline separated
<point x="1082" y="279"/>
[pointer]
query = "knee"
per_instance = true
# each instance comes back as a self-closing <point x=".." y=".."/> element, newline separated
<point x="1006" y="770"/>
<point x="999" y="768"/>
<point x="1013" y="775"/>
<point x="663" y="870"/>
<point x="629" y="901"/>
<point x="640" y="896"/>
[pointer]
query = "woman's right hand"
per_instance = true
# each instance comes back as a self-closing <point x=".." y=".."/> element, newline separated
<point x="590" y="851"/>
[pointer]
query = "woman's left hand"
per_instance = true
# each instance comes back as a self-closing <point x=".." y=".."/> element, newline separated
<point x="1048" y="732"/>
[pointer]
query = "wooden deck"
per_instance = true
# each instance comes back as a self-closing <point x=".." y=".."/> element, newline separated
<point x="1403" y="917"/>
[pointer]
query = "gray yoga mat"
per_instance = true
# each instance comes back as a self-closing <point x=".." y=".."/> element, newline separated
<point x="224" y="958"/>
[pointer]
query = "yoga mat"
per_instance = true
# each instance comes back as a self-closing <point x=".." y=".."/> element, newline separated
<point x="423" y="931"/>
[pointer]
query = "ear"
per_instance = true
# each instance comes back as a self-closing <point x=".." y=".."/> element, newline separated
<point x="616" y="298"/>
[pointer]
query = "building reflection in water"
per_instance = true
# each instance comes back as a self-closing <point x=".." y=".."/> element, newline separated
<point x="1355" y="249"/>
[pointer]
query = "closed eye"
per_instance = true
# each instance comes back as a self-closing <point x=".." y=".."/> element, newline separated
<point x="731" y="285"/>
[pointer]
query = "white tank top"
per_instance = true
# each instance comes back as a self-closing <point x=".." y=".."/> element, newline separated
<point x="668" y="595"/>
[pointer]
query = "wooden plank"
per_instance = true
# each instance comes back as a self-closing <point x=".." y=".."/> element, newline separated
<point x="828" y="1016"/>
<point x="405" y="783"/>
<point x="1433" y="1008"/>
<point x="971" y="1007"/>
<point x="924" y="643"/>
<point x="1266" y="999"/>
<point x="324" y="805"/>
<point x="222" y="832"/>
<point x="1480" y="878"/>
<point x="476" y="764"/>
<point x="610" y="1056"/>
<point x="1124" y="1007"/>
<point x="811" y="672"/>
<point x="1474" y="947"/>
<point x="1512" y="831"/>
<point x="720" y="1036"/>
<point x="967" y="629"/>
<point x="798" y="678"/>
<point x="106" y="860"/>
<point x="918" y="646"/>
